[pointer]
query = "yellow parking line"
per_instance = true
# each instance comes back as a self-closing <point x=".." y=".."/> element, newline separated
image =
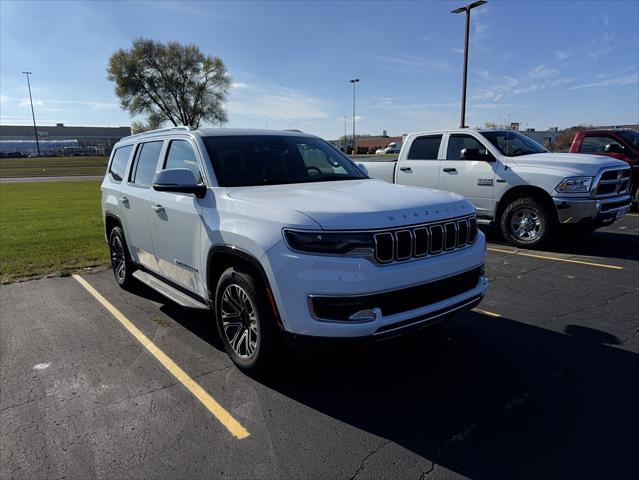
<point x="545" y="257"/>
<point x="486" y="312"/>
<point x="224" y="417"/>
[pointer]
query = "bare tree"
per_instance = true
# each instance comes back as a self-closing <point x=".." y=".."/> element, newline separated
<point x="169" y="82"/>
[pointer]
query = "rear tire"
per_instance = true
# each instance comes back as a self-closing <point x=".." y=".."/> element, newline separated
<point x="527" y="223"/>
<point x="244" y="320"/>
<point x="121" y="262"/>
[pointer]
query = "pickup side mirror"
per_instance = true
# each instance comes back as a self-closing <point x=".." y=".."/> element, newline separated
<point x="363" y="168"/>
<point x="178" y="180"/>
<point x="613" y="148"/>
<point x="476" y="154"/>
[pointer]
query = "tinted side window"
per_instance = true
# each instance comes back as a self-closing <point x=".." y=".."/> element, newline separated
<point x="118" y="164"/>
<point x="182" y="155"/>
<point x="456" y="143"/>
<point x="147" y="160"/>
<point x="425" y="148"/>
<point x="596" y="144"/>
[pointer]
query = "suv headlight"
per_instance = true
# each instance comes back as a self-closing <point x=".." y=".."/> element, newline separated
<point x="336" y="243"/>
<point x="575" y="185"/>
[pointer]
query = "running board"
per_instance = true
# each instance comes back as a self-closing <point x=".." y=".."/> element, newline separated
<point x="168" y="291"/>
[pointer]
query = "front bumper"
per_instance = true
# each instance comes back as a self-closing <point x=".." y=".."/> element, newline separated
<point x="591" y="211"/>
<point x="295" y="278"/>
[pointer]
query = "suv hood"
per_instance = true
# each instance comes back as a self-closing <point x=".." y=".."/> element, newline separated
<point x="358" y="204"/>
<point x="577" y="163"/>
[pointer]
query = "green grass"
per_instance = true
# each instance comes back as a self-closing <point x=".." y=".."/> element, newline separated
<point x="50" y="228"/>
<point x="52" y="166"/>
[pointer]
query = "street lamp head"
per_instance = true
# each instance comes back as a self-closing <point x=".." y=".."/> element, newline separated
<point x="28" y="73"/>
<point x="355" y="80"/>
<point x="469" y="7"/>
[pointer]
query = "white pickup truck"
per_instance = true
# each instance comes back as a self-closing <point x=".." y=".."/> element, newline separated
<point x="513" y="181"/>
<point x="281" y="233"/>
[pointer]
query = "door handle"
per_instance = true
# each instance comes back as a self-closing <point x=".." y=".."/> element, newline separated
<point x="406" y="169"/>
<point x="450" y="169"/>
<point x="157" y="208"/>
<point x="124" y="200"/>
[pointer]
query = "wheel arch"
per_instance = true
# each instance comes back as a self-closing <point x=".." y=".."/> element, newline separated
<point x="111" y="220"/>
<point x="221" y="257"/>
<point x="522" y="191"/>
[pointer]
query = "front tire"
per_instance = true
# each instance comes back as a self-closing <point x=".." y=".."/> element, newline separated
<point x="244" y="321"/>
<point x="527" y="223"/>
<point x="121" y="262"/>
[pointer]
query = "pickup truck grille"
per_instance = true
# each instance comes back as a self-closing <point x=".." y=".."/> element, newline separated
<point x="613" y="182"/>
<point x="419" y="241"/>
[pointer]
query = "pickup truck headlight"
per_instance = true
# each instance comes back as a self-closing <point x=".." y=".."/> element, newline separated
<point x="575" y="185"/>
<point x="336" y="243"/>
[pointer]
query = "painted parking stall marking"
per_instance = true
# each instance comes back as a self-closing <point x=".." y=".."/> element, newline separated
<point x="557" y="259"/>
<point x="219" y="412"/>
<point x="486" y="312"/>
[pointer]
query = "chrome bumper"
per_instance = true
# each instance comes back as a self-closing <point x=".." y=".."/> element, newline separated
<point x="589" y="210"/>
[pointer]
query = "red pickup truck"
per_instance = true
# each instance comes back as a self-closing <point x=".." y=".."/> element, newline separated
<point x="622" y="144"/>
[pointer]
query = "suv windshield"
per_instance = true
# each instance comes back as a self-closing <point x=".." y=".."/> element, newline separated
<point x="630" y="136"/>
<point x="244" y="160"/>
<point x="512" y="143"/>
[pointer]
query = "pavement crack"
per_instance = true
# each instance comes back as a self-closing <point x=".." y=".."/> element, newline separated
<point x="360" y="469"/>
<point x="428" y="472"/>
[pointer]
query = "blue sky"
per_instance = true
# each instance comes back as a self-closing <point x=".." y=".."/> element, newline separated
<point x="545" y="63"/>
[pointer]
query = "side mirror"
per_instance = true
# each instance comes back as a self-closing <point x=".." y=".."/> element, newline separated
<point x="363" y="168"/>
<point x="475" y="154"/>
<point x="613" y="148"/>
<point x="178" y="180"/>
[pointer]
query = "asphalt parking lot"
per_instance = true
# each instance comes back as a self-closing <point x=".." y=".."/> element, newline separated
<point x="541" y="382"/>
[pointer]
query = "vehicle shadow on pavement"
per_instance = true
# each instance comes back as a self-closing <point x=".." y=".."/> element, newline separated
<point x="602" y="244"/>
<point x="487" y="397"/>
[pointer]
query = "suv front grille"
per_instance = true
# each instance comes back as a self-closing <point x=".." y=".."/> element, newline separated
<point x="613" y="182"/>
<point x="419" y="241"/>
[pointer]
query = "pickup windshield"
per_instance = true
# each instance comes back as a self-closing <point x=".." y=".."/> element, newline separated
<point x="512" y="143"/>
<point x="630" y="136"/>
<point x="247" y="160"/>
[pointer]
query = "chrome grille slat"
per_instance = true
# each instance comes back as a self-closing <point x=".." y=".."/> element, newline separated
<point x="401" y="244"/>
<point x="612" y="182"/>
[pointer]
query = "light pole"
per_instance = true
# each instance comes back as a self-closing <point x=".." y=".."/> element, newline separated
<point x="35" y="129"/>
<point x="345" y="134"/>
<point x="466" y="9"/>
<point x="354" y="81"/>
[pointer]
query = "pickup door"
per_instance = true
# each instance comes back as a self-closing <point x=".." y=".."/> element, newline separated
<point x="420" y="167"/>
<point x="472" y="178"/>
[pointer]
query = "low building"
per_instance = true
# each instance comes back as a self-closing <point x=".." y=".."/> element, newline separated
<point x="87" y="139"/>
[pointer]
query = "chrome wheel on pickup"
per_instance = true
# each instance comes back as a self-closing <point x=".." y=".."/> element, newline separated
<point x="244" y="320"/>
<point x="526" y="222"/>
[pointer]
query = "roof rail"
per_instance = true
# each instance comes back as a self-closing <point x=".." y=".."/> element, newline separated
<point x="157" y="131"/>
<point x="293" y="130"/>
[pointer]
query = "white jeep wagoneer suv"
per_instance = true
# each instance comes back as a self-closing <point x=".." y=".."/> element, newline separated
<point x="278" y="232"/>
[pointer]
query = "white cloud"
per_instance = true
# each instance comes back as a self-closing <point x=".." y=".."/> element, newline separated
<point x="562" y="55"/>
<point x="4" y="99"/>
<point x="25" y="102"/>
<point x="542" y="71"/>
<point x="238" y="85"/>
<point x="404" y="62"/>
<point x="508" y="56"/>
<point x="612" y="82"/>
<point x="277" y="103"/>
